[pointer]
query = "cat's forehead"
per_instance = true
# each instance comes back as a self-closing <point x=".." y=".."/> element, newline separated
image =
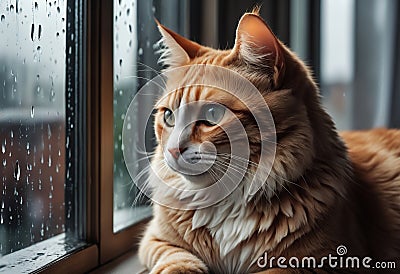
<point x="198" y="95"/>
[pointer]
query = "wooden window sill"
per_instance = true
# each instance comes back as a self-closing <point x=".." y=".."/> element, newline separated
<point x="125" y="264"/>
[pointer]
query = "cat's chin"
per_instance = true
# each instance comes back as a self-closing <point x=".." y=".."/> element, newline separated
<point x="201" y="180"/>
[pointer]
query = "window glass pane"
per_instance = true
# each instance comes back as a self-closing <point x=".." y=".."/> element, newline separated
<point x="32" y="122"/>
<point x="134" y="41"/>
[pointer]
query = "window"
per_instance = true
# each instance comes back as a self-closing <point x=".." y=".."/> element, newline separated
<point x="38" y="205"/>
<point x="69" y="70"/>
<point x="129" y="206"/>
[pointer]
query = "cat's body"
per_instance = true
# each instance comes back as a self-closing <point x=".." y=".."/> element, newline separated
<point x="317" y="198"/>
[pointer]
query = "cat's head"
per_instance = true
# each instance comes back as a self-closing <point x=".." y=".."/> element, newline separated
<point x="192" y="121"/>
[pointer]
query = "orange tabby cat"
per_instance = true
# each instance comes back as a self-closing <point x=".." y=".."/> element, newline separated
<point x="318" y="196"/>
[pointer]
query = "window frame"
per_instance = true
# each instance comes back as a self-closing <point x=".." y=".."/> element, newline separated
<point x="90" y="69"/>
<point x="111" y="245"/>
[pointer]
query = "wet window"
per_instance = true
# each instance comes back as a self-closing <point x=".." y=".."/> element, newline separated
<point x="135" y="43"/>
<point x="32" y="122"/>
<point x="37" y="208"/>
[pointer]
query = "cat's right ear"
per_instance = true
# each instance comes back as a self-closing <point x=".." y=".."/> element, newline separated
<point x="257" y="45"/>
<point x="177" y="49"/>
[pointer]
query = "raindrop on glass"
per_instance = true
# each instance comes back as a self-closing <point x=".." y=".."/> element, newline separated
<point x="17" y="171"/>
<point x="40" y="32"/>
<point x="32" y="111"/>
<point x="52" y="94"/>
<point x="32" y="31"/>
<point x="3" y="17"/>
<point x="140" y="51"/>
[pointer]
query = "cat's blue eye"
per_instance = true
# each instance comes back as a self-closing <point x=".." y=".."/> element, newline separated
<point x="169" y="118"/>
<point x="213" y="114"/>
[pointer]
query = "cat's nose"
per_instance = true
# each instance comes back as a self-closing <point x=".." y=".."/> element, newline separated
<point x="176" y="151"/>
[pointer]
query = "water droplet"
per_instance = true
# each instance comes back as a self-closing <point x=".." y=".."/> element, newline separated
<point x="52" y="95"/>
<point x="130" y="28"/>
<point x="32" y="112"/>
<point x="36" y="5"/>
<point x="32" y="31"/>
<point x="11" y="8"/>
<point x="120" y="62"/>
<point x="140" y="51"/>
<point x="4" y="162"/>
<point x="12" y="134"/>
<point x="128" y="11"/>
<point x="129" y="126"/>
<point x="17" y="171"/>
<point x="3" y="148"/>
<point x="40" y="32"/>
<point x="3" y="17"/>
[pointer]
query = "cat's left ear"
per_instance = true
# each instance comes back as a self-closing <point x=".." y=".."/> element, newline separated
<point x="256" y="44"/>
<point x="178" y="50"/>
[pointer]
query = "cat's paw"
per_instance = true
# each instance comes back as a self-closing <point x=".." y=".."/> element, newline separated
<point x="187" y="267"/>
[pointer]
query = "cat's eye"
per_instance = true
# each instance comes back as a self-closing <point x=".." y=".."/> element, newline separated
<point x="169" y="118"/>
<point x="212" y="114"/>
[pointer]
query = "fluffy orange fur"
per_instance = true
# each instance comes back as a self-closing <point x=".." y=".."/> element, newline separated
<point x="326" y="192"/>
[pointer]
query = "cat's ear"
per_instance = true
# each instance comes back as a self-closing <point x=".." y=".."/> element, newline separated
<point x="177" y="49"/>
<point x="256" y="44"/>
